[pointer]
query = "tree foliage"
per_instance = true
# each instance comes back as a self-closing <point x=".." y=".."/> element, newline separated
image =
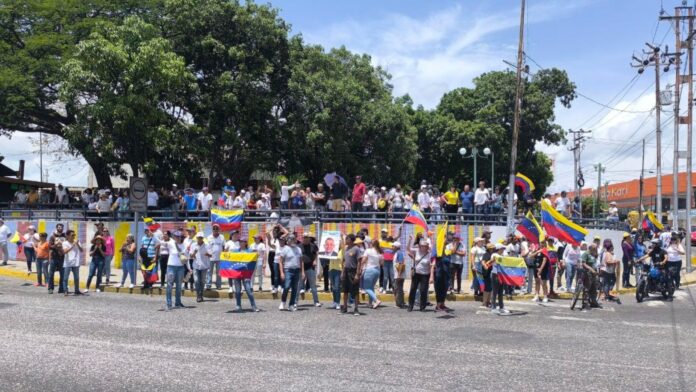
<point x="181" y="89"/>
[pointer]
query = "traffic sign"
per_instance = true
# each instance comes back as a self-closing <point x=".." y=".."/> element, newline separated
<point x="138" y="194"/>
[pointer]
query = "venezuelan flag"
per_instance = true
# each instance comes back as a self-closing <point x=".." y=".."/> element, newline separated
<point x="650" y="222"/>
<point x="387" y="250"/>
<point x="524" y="182"/>
<point x="228" y="220"/>
<point x="558" y="226"/>
<point x="238" y="265"/>
<point x="151" y="224"/>
<point x="511" y="271"/>
<point x="150" y="272"/>
<point x="529" y="227"/>
<point x="417" y="218"/>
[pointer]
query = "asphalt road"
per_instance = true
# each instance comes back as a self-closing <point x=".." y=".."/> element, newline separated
<point x="111" y="342"/>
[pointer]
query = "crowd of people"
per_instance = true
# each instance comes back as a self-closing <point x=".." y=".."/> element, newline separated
<point x="189" y="260"/>
<point x="336" y="196"/>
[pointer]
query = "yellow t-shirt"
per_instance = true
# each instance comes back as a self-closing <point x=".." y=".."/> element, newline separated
<point x="337" y="263"/>
<point x="452" y="198"/>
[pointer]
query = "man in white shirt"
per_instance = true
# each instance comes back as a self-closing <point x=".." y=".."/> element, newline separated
<point x="62" y="195"/>
<point x="424" y="199"/>
<point x="71" y="263"/>
<point x="563" y="204"/>
<point x="5" y="234"/>
<point x="481" y="198"/>
<point x="285" y="193"/>
<point x="21" y="197"/>
<point x="216" y="243"/>
<point x="260" y="248"/>
<point x="152" y="198"/>
<point x="200" y="252"/>
<point x="205" y="199"/>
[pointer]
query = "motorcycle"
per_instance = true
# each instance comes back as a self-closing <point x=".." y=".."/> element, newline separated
<point x="655" y="279"/>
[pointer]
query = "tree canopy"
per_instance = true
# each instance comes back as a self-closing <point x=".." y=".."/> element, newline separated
<point x="184" y="89"/>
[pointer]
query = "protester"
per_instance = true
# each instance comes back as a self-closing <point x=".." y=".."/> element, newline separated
<point x="458" y="257"/>
<point x="29" y="241"/>
<point x="589" y="273"/>
<point x="542" y="268"/>
<point x="71" y="250"/>
<point x="244" y="282"/>
<point x="351" y="272"/>
<point x="5" y="234"/>
<point x="42" y="255"/>
<point x="310" y="254"/>
<point x="627" y="249"/>
<point x="372" y="261"/>
<point x="440" y="276"/>
<point x="476" y="256"/>
<point x="108" y="254"/>
<point x="607" y="267"/>
<point x="420" y="272"/>
<point x="175" y="269"/>
<point x="57" y="261"/>
<point x="291" y="270"/>
<point x="128" y="261"/>
<point x="232" y="245"/>
<point x="675" y="251"/>
<point x="481" y="199"/>
<point x="334" y="268"/>
<point x="96" y="267"/>
<point x="201" y="254"/>
<point x="260" y="248"/>
<point x="399" y="275"/>
<point x="497" y="286"/>
<point x="216" y="243"/>
<point x="571" y="256"/>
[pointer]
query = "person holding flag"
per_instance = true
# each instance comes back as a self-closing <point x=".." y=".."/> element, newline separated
<point x="420" y="272"/>
<point x="244" y="279"/>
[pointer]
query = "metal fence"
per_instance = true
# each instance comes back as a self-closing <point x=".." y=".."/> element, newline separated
<point x="84" y="214"/>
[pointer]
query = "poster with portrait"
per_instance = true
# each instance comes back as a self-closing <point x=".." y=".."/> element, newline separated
<point x="328" y="246"/>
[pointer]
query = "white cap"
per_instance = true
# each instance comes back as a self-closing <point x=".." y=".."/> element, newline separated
<point x="396" y="244"/>
<point x="200" y="235"/>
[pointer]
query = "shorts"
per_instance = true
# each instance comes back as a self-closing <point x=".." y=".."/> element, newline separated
<point x="349" y="285"/>
<point x="545" y="272"/>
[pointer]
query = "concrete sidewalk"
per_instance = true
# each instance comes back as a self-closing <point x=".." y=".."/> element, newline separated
<point x="18" y="270"/>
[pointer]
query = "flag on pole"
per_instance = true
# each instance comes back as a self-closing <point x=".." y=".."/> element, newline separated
<point x="650" y="222"/>
<point x="228" y="220"/>
<point x="416" y="217"/>
<point x="529" y="227"/>
<point x="524" y="182"/>
<point x="558" y="226"/>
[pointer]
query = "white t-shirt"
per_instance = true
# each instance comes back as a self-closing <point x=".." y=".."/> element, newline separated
<point x="61" y="194"/>
<point x="72" y="254"/>
<point x="5" y="234"/>
<point x="291" y="256"/>
<point x="216" y="244"/>
<point x="423" y="200"/>
<point x="21" y="197"/>
<point x="188" y="243"/>
<point x="260" y="249"/>
<point x="152" y="199"/>
<point x="422" y="261"/>
<point x="232" y="246"/>
<point x="673" y="253"/>
<point x="30" y="240"/>
<point x="206" y="201"/>
<point x="398" y="200"/>
<point x="373" y="258"/>
<point x="481" y="196"/>
<point x="562" y="204"/>
<point x="172" y="251"/>
<point x="201" y="261"/>
<point x="284" y="192"/>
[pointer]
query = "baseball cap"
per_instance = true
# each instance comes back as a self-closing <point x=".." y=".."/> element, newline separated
<point x="200" y="235"/>
<point x="396" y="244"/>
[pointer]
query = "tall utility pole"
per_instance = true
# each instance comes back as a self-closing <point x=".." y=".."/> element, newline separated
<point x="578" y="138"/>
<point x="640" y="189"/>
<point x="654" y="58"/>
<point x="516" y="124"/>
<point x="599" y="169"/>
<point x="683" y="14"/>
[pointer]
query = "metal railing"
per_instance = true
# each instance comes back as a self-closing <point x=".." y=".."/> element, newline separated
<point x="392" y="217"/>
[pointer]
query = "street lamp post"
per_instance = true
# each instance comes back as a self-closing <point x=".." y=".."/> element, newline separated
<point x="474" y="154"/>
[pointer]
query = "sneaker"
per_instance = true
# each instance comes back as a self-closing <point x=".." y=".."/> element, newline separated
<point x="256" y="310"/>
<point x="130" y="286"/>
<point x="495" y="311"/>
<point x="50" y="291"/>
<point x="301" y="291"/>
<point x="376" y="305"/>
<point x="118" y="285"/>
<point x="381" y="291"/>
<point x="237" y="308"/>
<point x="546" y="300"/>
<point x="282" y="306"/>
<point x="293" y="308"/>
<point x="98" y="291"/>
<point x="343" y="309"/>
<point x="231" y="290"/>
<point x="274" y="291"/>
<point x="561" y="288"/>
<point x="504" y="311"/>
<point x="356" y="313"/>
<point x="536" y="298"/>
<point x="318" y="305"/>
<point x="86" y="291"/>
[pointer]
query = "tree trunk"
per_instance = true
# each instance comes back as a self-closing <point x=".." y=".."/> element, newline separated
<point x="101" y="172"/>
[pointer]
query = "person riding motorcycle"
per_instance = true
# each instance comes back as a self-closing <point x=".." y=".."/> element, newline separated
<point x="658" y="256"/>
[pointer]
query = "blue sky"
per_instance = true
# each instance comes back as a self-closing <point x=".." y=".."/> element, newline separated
<point x="431" y="47"/>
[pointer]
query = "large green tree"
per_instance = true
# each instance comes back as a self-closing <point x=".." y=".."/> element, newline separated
<point x="37" y="37"/>
<point x="339" y="115"/>
<point x="127" y="90"/>
<point x="482" y="116"/>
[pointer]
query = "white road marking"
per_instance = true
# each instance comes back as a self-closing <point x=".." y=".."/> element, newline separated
<point x="573" y="319"/>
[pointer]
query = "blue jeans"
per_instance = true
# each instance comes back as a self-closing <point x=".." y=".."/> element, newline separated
<point x="214" y="269"/>
<point x="275" y="279"/>
<point x="247" y="288"/>
<point x="53" y="267"/>
<point x="175" y="274"/>
<point x="370" y="279"/>
<point x="95" y="267"/>
<point x="311" y="277"/>
<point x="128" y="267"/>
<point x="284" y="205"/>
<point x="76" y="277"/>
<point x="570" y="275"/>
<point x="200" y="276"/>
<point x="388" y="277"/>
<point x="335" y="279"/>
<point x="30" y="254"/>
<point x="292" y="280"/>
<point x="107" y="267"/>
<point x="41" y="270"/>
